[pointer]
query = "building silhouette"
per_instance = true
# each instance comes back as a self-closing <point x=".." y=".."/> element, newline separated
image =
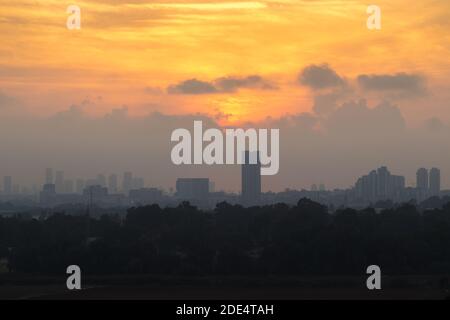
<point x="145" y="196"/>
<point x="127" y="182"/>
<point x="251" y="179"/>
<point x="435" y="182"/>
<point x="7" y="185"/>
<point x="379" y="185"/>
<point x="48" y="194"/>
<point x="192" y="189"/>
<point x="422" y="179"/>
<point x="422" y="184"/>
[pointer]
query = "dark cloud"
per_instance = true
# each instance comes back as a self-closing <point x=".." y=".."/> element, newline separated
<point x="411" y="84"/>
<point x="320" y="77"/>
<point x="221" y="85"/>
<point x="355" y="117"/>
<point x="231" y="84"/>
<point x="325" y="103"/>
<point x="192" y="86"/>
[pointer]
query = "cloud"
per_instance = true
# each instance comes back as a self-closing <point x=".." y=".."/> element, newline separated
<point x="336" y="149"/>
<point x="231" y="84"/>
<point x="192" y="86"/>
<point x="221" y="85"/>
<point x="320" y="77"/>
<point x="355" y="117"/>
<point x="402" y="83"/>
<point x="325" y="103"/>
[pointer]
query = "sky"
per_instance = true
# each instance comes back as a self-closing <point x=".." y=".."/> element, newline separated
<point x="310" y="67"/>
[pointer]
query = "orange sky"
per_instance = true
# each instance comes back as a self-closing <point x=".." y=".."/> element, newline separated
<point x="128" y="52"/>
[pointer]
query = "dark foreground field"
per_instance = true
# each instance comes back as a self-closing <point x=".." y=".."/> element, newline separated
<point x="230" y="288"/>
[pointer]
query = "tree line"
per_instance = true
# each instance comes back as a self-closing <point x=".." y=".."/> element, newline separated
<point x="304" y="239"/>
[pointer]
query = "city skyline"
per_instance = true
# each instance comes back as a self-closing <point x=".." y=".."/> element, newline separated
<point x="431" y="180"/>
<point x="378" y="187"/>
<point x="344" y="102"/>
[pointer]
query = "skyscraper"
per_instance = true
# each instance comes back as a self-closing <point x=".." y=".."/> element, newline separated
<point x="378" y="185"/>
<point x="251" y="180"/>
<point x="422" y="184"/>
<point x="383" y="177"/>
<point x="422" y="179"/>
<point x="435" y="182"/>
<point x="193" y="188"/>
<point x="127" y="182"/>
<point x="48" y="176"/>
<point x="7" y="185"/>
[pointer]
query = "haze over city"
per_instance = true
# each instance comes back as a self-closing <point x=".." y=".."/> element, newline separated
<point x="106" y="98"/>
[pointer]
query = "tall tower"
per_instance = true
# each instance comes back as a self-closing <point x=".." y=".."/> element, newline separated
<point x="422" y="184"/>
<point x="251" y="179"/>
<point x="435" y="182"/>
<point x="127" y="182"/>
<point x="422" y="179"/>
<point x="7" y="185"/>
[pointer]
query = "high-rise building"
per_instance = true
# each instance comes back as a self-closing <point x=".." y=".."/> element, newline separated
<point x="96" y="192"/>
<point x="378" y="185"/>
<point x="127" y="182"/>
<point x="112" y="183"/>
<point x="193" y="188"/>
<point x="48" y="176"/>
<point x="7" y="185"/>
<point x="435" y="182"/>
<point x="422" y="179"/>
<point x="251" y="179"/>
<point x="383" y="176"/>
<point x="59" y="181"/>
<point x="48" y="194"/>
<point x="422" y="184"/>
<point x="146" y="196"/>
